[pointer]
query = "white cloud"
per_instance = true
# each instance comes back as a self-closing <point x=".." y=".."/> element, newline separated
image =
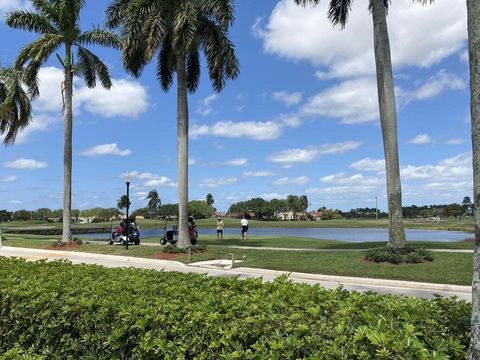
<point x="295" y="156"/>
<point x="40" y="122"/>
<point x="9" y="5"/>
<point x="125" y="98"/>
<point x="301" y="180"/>
<point x="205" y="105"/>
<point x="192" y="161"/>
<point x="268" y="130"/>
<point x="368" y="164"/>
<point x="456" y="141"/>
<point x="257" y="174"/>
<point x="273" y="195"/>
<point x="288" y="99"/>
<point x="106" y="149"/>
<point x="356" y="101"/>
<point x="213" y="183"/>
<point x="25" y="164"/>
<point x="9" y="178"/>
<point x="456" y="168"/>
<point x="421" y="139"/>
<point x="150" y="179"/>
<point x="290" y="120"/>
<point x="299" y="33"/>
<point x="236" y="162"/>
<point x="353" y="180"/>
<point x="15" y="202"/>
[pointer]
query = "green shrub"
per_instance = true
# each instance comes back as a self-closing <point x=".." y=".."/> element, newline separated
<point x="409" y="254"/>
<point x="56" y="310"/>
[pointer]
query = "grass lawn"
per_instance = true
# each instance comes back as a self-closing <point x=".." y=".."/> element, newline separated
<point x="447" y="224"/>
<point x="451" y="268"/>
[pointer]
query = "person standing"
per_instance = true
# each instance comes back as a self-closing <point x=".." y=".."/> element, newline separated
<point x="244" y="223"/>
<point x="220" y="227"/>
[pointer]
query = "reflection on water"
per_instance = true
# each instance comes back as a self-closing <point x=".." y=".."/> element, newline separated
<point x="342" y="234"/>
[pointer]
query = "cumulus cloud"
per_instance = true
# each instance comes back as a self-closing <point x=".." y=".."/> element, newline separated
<point x="126" y="98"/>
<point x="421" y="139"/>
<point x="368" y="164"/>
<point x="213" y="183"/>
<point x="25" y="164"/>
<point x="356" y="179"/>
<point x="289" y="99"/>
<point x="205" y="105"/>
<point x="300" y="33"/>
<point x="295" y="156"/>
<point x="106" y="149"/>
<point x="192" y="161"/>
<point x="150" y="179"/>
<point x="9" y="178"/>
<point x="455" y="168"/>
<point x="456" y="141"/>
<point x="356" y="101"/>
<point x="236" y="162"/>
<point x="257" y="173"/>
<point x="301" y="180"/>
<point x="268" y="130"/>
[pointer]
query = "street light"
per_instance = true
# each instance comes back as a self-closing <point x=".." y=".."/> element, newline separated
<point x="127" y="181"/>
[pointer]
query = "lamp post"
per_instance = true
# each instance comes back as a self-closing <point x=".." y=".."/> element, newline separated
<point x="127" y="181"/>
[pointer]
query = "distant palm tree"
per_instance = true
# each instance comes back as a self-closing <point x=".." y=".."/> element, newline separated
<point x="154" y="203"/>
<point x="209" y="199"/>
<point x="338" y="14"/>
<point x="176" y="32"/>
<point x="123" y="202"/>
<point x="58" y="24"/>
<point x="473" y="13"/>
<point x="15" y="105"/>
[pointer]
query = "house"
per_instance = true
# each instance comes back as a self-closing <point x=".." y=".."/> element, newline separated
<point x="139" y="217"/>
<point x="316" y="215"/>
<point x="290" y="215"/>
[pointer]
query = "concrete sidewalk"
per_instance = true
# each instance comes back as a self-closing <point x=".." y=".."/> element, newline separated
<point x="408" y="288"/>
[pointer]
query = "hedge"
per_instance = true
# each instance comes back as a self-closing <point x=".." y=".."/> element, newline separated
<point x="56" y="310"/>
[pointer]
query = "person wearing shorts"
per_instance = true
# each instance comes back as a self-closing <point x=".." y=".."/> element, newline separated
<point x="220" y="226"/>
<point x="244" y="223"/>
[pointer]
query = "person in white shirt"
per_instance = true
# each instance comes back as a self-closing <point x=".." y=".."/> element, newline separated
<point x="244" y="223"/>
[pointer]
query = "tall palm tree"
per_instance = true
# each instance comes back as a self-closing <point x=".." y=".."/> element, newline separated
<point x="176" y="31"/>
<point x="15" y="105"/>
<point x="154" y="203"/>
<point x="473" y="11"/>
<point x="338" y="14"/>
<point x="57" y="22"/>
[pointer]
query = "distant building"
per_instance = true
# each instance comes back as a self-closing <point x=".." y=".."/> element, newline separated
<point x="291" y="216"/>
<point x="316" y="215"/>
<point x="139" y="217"/>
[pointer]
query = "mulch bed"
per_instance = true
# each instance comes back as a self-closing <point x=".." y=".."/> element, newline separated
<point x="168" y="256"/>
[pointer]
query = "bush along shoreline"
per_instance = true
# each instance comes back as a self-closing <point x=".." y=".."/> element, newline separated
<point x="56" y="310"/>
<point x="408" y="255"/>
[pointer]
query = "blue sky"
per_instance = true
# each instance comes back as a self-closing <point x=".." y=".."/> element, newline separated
<point x="302" y="118"/>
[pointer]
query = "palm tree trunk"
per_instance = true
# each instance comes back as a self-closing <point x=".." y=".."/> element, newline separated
<point x="473" y="11"/>
<point x="67" y="150"/>
<point x="182" y="154"/>
<point x="388" y="122"/>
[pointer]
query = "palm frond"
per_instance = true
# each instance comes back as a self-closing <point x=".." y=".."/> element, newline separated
<point x="184" y="27"/>
<point x="220" y="53"/>
<point x="39" y="50"/>
<point x="166" y="63"/>
<point x="339" y="10"/>
<point x="307" y="2"/>
<point x="116" y="13"/>
<point x="30" y="21"/>
<point x="193" y="70"/>
<point x="15" y="105"/>
<point x="102" y="37"/>
<point x="220" y="11"/>
<point x="48" y="9"/>
<point x="91" y="67"/>
<point x="155" y="29"/>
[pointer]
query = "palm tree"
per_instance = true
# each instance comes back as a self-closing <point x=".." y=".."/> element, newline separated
<point x="210" y="200"/>
<point x="338" y="14"/>
<point x="57" y="22"/>
<point x="15" y="105"/>
<point x="123" y="202"/>
<point x="176" y="31"/>
<point x="154" y="203"/>
<point x="473" y="11"/>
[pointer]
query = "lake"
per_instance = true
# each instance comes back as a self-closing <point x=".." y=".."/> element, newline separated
<point x="341" y="234"/>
